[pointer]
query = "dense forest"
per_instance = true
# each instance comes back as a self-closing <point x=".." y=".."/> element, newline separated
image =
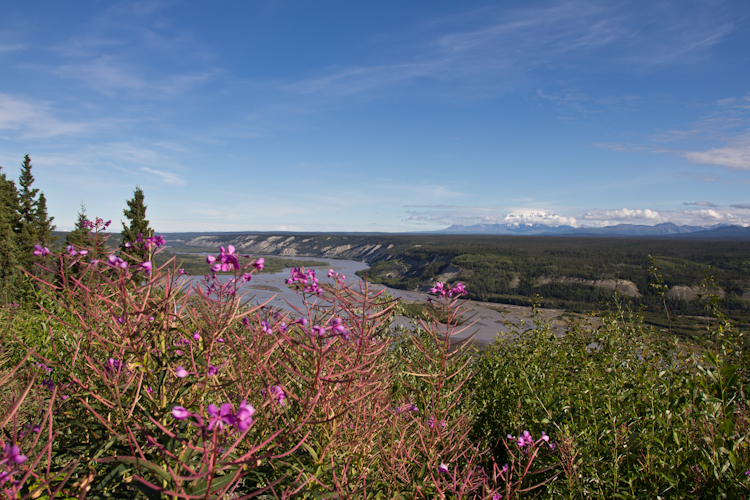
<point x="579" y="273"/>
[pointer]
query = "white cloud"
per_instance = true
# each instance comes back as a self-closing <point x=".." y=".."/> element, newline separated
<point x="623" y="215"/>
<point x="729" y="157"/>
<point x="521" y="217"/>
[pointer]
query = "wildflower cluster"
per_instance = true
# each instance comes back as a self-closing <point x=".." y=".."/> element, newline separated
<point x="441" y="290"/>
<point x="148" y="243"/>
<point x="304" y="280"/>
<point x="227" y="260"/>
<point x="526" y="442"/>
<point x="99" y="225"/>
<point x="220" y="418"/>
<point x="10" y="461"/>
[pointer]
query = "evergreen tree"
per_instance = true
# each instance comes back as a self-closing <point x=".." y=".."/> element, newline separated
<point x="81" y="235"/>
<point x="9" y="220"/>
<point x="138" y="229"/>
<point x="34" y="225"/>
<point x="42" y="222"/>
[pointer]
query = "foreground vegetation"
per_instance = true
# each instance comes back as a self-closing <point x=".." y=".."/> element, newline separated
<point x="121" y="381"/>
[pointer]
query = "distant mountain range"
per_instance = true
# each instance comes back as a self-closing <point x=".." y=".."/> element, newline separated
<point x="667" y="229"/>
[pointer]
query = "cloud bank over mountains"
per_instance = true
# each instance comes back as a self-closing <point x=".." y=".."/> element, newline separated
<point x="467" y="216"/>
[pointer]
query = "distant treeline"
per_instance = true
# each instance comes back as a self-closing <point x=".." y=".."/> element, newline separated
<point x="516" y="270"/>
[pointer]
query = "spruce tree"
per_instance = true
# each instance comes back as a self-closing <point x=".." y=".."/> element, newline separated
<point x="26" y="229"/>
<point x="42" y="222"/>
<point x="138" y="228"/>
<point x="34" y="225"/>
<point x="9" y="220"/>
<point x="81" y="235"/>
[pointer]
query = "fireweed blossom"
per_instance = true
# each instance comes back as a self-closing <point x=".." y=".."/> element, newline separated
<point x="304" y="280"/>
<point x="40" y="251"/>
<point x="219" y="417"/>
<point x="9" y="460"/>
<point x="180" y="413"/>
<point x="441" y="290"/>
<point x="117" y="262"/>
<point x="226" y="261"/>
<point x="266" y="327"/>
<point x="526" y="441"/>
<point x="442" y="468"/>
<point x="244" y="416"/>
<point x="277" y="393"/>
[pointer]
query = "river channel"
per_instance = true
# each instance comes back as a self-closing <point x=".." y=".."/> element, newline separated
<point x="491" y="320"/>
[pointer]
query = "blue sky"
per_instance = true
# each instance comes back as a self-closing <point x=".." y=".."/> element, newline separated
<point x="381" y="116"/>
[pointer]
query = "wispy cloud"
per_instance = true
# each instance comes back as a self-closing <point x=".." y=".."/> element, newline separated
<point x="168" y="178"/>
<point x="480" y="46"/>
<point x="33" y="119"/>
<point x="11" y="47"/>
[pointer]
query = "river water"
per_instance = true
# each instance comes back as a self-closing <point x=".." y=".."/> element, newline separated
<point x="492" y="320"/>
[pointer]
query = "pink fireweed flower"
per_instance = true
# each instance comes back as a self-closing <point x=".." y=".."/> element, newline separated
<point x="155" y="241"/>
<point x="320" y="331"/>
<point x="117" y="262"/>
<point x="266" y="327"/>
<point x="181" y="271"/>
<point x="337" y="325"/>
<point x="196" y="336"/>
<point x="212" y="370"/>
<point x="277" y="393"/>
<point x="442" y="468"/>
<point x="180" y="413"/>
<point x="40" y="251"/>
<point x="146" y="266"/>
<point x="221" y="417"/>
<point x="457" y="289"/>
<point x="181" y="372"/>
<point x="71" y="250"/>
<point x="13" y="454"/>
<point x="282" y="327"/>
<point x="113" y="365"/>
<point x="245" y="416"/>
<point x="246" y="277"/>
<point x="127" y="244"/>
<point x="259" y="264"/>
<point x="431" y="423"/>
<point x="438" y="289"/>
